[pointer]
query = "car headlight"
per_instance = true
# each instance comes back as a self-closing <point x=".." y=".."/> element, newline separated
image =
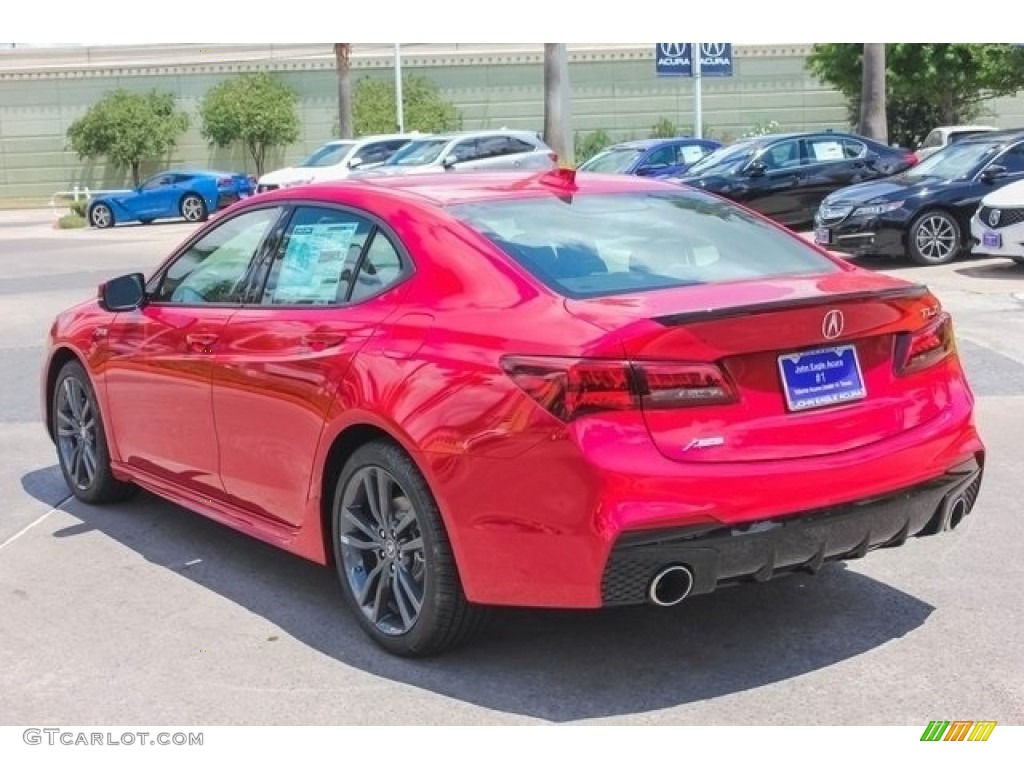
<point x="877" y="210"/>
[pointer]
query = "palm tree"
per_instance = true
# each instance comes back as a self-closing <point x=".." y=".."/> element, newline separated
<point x="342" y="52"/>
<point x="557" y="118"/>
<point x="873" y="120"/>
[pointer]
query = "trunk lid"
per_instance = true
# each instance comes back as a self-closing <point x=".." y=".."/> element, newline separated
<point x="811" y="361"/>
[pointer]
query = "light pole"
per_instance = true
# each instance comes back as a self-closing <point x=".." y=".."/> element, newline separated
<point x="698" y="95"/>
<point x="399" y="107"/>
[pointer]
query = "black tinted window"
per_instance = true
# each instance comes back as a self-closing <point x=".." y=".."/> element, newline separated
<point x="1012" y="160"/>
<point x="611" y="244"/>
<point x="381" y="268"/>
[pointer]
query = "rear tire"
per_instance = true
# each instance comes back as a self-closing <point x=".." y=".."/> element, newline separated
<point x="934" y="238"/>
<point x="81" y="440"/>
<point x="394" y="558"/>
<point x="193" y="208"/>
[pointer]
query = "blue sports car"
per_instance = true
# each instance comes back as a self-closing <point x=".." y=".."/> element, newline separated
<point x="189" y="195"/>
<point x="650" y="157"/>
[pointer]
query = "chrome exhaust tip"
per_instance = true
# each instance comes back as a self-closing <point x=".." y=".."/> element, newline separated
<point x="957" y="512"/>
<point x="670" y="586"/>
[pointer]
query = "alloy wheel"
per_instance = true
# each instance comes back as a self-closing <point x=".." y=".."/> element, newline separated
<point x="382" y="550"/>
<point x="76" y="433"/>
<point x="192" y="208"/>
<point x="101" y="216"/>
<point x="935" y="238"/>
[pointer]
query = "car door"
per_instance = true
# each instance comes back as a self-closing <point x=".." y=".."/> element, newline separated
<point x="158" y="375"/>
<point x="657" y="161"/>
<point x="1011" y="163"/>
<point x="280" y="363"/>
<point x="832" y="162"/>
<point x="150" y="200"/>
<point x="773" y="179"/>
<point x="686" y="154"/>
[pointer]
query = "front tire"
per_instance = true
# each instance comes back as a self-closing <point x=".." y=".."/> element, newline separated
<point x="101" y="216"/>
<point x="934" y="238"/>
<point x="193" y="208"/>
<point x="394" y="558"/>
<point x="81" y="439"/>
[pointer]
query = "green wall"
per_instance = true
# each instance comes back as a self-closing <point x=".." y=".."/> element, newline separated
<point x="613" y="88"/>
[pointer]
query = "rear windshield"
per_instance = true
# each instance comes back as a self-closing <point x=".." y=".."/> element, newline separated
<point x="600" y="245"/>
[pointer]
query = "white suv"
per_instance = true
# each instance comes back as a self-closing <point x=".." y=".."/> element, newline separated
<point x="997" y="227"/>
<point x="336" y="160"/>
<point x="469" y="151"/>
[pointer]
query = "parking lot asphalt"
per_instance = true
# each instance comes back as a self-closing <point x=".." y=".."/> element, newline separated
<point x="146" y="613"/>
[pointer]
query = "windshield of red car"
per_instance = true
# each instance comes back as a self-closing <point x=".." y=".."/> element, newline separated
<point x="605" y="244"/>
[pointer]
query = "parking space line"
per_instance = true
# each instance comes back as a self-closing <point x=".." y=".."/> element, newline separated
<point x="35" y="522"/>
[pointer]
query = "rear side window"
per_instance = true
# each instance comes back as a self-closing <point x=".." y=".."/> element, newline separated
<point x="600" y="245"/>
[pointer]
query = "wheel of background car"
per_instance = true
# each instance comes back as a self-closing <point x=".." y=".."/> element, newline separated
<point x="394" y="558"/>
<point x="934" y="238"/>
<point x="100" y="216"/>
<point x="193" y="208"/>
<point x="81" y="439"/>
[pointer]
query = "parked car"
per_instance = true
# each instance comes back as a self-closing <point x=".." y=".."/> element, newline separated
<point x="945" y="135"/>
<point x="786" y="176"/>
<point x="925" y="213"/>
<point x="511" y="388"/>
<point x="185" y="194"/>
<point x="997" y="227"/>
<point x="468" y="151"/>
<point x="650" y="157"/>
<point x="336" y="160"/>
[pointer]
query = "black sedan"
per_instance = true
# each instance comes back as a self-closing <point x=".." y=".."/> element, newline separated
<point x="924" y="213"/>
<point x="786" y="176"/>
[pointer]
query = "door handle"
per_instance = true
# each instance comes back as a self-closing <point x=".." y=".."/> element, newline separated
<point x="321" y="340"/>
<point x="201" y="343"/>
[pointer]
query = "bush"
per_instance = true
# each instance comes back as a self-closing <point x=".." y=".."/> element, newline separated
<point x="71" y="221"/>
<point x="588" y="145"/>
<point x="78" y="208"/>
<point x="664" y="129"/>
<point x="424" y="109"/>
<point x="762" y="129"/>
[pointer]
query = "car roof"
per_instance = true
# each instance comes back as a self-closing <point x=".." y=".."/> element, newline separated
<point x="988" y="137"/>
<point x="481" y="133"/>
<point x="648" y="143"/>
<point x="951" y="128"/>
<point x="450" y="189"/>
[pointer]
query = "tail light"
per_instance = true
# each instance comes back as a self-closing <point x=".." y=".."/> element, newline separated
<point x="572" y="387"/>
<point x="923" y="349"/>
<point x="911" y="158"/>
<point x="554" y="157"/>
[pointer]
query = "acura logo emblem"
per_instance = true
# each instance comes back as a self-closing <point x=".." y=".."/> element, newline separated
<point x="713" y="50"/>
<point x="993" y="217"/>
<point x="832" y="325"/>
<point x="672" y="50"/>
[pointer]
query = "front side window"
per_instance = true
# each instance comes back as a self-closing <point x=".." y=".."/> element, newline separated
<point x="314" y="262"/>
<point x="1012" y="159"/>
<point x="934" y="139"/>
<point x="782" y="155"/>
<point x="328" y="155"/>
<point x="157" y="181"/>
<point x="661" y="156"/>
<point x="599" y="245"/>
<point x="214" y="269"/>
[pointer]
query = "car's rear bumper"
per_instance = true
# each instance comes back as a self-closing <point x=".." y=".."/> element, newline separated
<point x="760" y="550"/>
<point x="549" y="527"/>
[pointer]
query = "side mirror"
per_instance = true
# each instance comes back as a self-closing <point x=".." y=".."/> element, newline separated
<point x="650" y="170"/>
<point x="355" y="162"/>
<point x="756" y="169"/>
<point x="123" y="294"/>
<point x="993" y="172"/>
<point x="449" y="161"/>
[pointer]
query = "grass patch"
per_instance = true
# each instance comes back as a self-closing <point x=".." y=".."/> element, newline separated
<point x="71" y="221"/>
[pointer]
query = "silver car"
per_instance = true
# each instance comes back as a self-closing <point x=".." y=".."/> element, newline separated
<point x="468" y="151"/>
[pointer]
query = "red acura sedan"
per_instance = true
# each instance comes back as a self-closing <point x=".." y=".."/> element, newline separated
<point x="518" y="389"/>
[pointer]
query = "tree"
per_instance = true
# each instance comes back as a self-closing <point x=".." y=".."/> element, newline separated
<point x="127" y="128"/>
<point x="342" y="52"/>
<point x="557" y="119"/>
<point x="926" y="84"/>
<point x="872" y="94"/>
<point x="257" y="110"/>
<point x="424" y="108"/>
